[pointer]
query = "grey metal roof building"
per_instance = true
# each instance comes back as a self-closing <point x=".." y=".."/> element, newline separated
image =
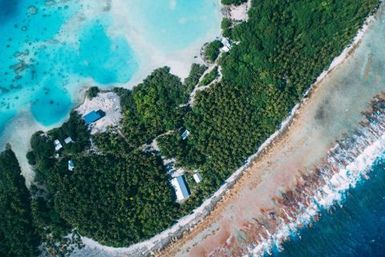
<point x="180" y="187"/>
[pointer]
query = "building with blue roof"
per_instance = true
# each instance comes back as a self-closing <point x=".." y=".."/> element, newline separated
<point x="93" y="116"/>
<point x="180" y="187"/>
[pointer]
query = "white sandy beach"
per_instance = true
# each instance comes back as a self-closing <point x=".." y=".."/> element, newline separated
<point x="18" y="133"/>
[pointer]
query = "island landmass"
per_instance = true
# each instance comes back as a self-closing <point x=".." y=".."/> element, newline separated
<point x="115" y="186"/>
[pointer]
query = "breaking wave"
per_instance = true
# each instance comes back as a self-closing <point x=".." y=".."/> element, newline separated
<point x="346" y="164"/>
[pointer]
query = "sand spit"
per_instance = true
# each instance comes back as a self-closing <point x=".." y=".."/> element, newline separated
<point x="19" y="139"/>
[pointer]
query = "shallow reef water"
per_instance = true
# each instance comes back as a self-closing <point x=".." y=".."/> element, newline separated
<point x="41" y="58"/>
<point x="50" y="48"/>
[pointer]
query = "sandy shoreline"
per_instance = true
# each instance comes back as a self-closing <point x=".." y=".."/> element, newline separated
<point x="216" y="231"/>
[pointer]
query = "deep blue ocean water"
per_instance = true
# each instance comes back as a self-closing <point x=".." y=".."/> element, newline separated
<point x="354" y="229"/>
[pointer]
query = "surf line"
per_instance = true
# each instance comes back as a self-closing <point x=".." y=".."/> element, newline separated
<point x="346" y="164"/>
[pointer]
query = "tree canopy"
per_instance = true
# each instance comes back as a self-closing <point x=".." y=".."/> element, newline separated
<point x="212" y="50"/>
<point x="235" y="2"/>
<point x="18" y="235"/>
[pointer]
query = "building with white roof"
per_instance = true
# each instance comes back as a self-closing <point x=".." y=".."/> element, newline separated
<point x="226" y="44"/>
<point x="185" y="134"/>
<point x="180" y="187"/>
<point x="71" y="165"/>
<point x="68" y="140"/>
<point x="197" y="177"/>
<point x="58" y="145"/>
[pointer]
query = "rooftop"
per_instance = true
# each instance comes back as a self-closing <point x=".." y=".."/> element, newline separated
<point x="197" y="177"/>
<point x="71" y="165"/>
<point x="180" y="187"/>
<point x="68" y="140"/>
<point x="185" y="134"/>
<point x="93" y="116"/>
<point x="58" y="145"/>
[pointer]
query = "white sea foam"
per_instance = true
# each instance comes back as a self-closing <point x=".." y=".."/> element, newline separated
<point x="370" y="148"/>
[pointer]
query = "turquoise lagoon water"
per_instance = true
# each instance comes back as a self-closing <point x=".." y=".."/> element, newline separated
<point x="174" y="24"/>
<point x="50" y="48"/>
<point x="37" y="66"/>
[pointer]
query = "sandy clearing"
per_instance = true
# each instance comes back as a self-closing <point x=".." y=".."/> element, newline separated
<point x="108" y="102"/>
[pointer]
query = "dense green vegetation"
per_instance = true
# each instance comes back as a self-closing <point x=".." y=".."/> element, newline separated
<point x="29" y="219"/>
<point x="119" y="191"/>
<point x="42" y="155"/>
<point x="226" y="25"/>
<point x="117" y="194"/>
<point x="212" y="50"/>
<point x="126" y="198"/>
<point x="18" y="235"/>
<point x="92" y="92"/>
<point x="156" y="101"/>
<point x="192" y="80"/>
<point x="210" y="77"/>
<point x="235" y="2"/>
<point x="152" y="108"/>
